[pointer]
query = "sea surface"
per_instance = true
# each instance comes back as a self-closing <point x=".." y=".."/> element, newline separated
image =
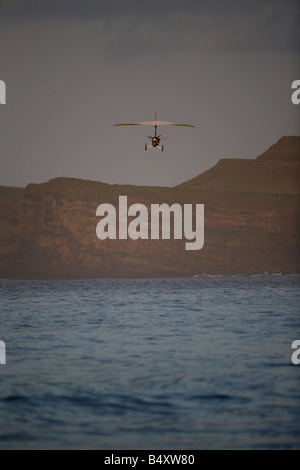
<point x="201" y="363"/>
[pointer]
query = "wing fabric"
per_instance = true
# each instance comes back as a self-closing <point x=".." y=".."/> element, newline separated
<point x="131" y="124"/>
<point x="155" y="123"/>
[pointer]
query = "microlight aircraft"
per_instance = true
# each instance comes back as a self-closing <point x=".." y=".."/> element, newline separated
<point x="155" y="140"/>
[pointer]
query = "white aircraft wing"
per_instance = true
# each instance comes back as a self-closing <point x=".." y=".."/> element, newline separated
<point x="154" y="123"/>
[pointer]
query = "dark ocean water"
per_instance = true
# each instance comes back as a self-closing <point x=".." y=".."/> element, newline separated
<point x="201" y="363"/>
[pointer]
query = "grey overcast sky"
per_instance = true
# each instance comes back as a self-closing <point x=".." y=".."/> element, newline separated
<point x="74" y="68"/>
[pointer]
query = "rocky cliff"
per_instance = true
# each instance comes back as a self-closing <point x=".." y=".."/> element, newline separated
<point x="276" y="171"/>
<point x="252" y="224"/>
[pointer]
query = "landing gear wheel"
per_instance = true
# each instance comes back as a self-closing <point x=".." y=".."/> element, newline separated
<point x="162" y="148"/>
<point x="146" y="148"/>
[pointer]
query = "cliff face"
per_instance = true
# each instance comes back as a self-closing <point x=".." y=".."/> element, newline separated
<point x="10" y="202"/>
<point x="251" y="224"/>
<point x="276" y="171"/>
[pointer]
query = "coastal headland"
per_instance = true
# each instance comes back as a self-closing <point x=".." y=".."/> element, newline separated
<point x="252" y="224"/>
